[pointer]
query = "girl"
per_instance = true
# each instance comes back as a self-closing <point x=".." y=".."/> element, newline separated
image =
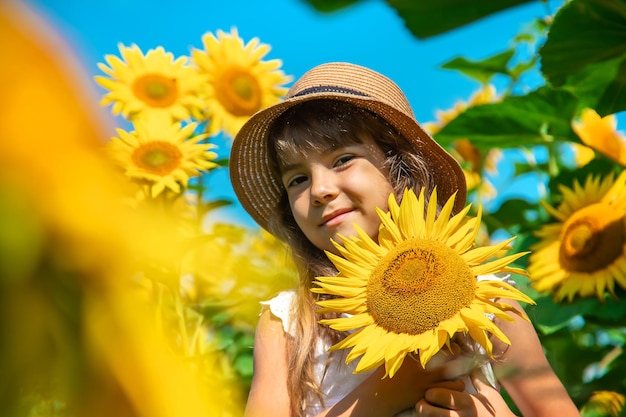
<point x="306" y="170"/>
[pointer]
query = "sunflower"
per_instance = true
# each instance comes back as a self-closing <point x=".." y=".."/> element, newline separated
<point x="585" y="252"/>
<point x="416" y="288"/>
<point x="154" y="82"/>
<point x="604" y="403"/>
<point x="239" y="82"/>
<point x="162" y="154"/>
<point x="601" y="134"/>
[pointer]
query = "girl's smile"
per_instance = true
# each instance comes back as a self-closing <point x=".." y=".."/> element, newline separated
<point x="331" y="191"/>
<point x="335" y="217"/>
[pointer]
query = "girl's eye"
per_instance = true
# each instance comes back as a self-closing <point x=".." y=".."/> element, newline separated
<point x="296" y="180"/>
<point x="344" y="159"/>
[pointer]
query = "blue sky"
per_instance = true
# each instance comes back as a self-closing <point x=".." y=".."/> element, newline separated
<point x="368" y="33"/>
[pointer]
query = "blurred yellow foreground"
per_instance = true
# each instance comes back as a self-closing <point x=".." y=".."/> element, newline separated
<point x="77" y="336"/>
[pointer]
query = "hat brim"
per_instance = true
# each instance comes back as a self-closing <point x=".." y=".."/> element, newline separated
<point x="259" y="192"/>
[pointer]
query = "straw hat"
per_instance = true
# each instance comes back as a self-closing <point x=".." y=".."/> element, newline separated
<point x="259" y="191"/>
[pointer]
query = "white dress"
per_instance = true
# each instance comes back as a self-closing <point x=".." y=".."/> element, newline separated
<point x="333" y="376"/>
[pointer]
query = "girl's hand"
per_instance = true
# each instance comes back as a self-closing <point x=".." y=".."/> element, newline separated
<point x="447" y="399"/>
<point x="389" y="396"/>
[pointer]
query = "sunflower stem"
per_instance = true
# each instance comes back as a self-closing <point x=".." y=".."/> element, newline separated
<point x="548" y="139"/>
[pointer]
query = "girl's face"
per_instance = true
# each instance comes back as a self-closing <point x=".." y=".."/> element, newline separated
<point x="330" y="191"/>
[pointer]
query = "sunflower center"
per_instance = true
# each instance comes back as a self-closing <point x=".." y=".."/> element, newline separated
<point x="157" y="157"/>
<point x="417" y="285"/>
<point x="156" y="90"/>
<point x="592" y="238"/>
<point x="239" y="92"/>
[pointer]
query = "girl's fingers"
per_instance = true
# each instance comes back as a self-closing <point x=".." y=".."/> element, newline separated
<point x="424" y="409"/>
<point x="489" y="396"/>
<point x="454" y="385"/>
<point x="448" y="398"/>
<point x="448" y="395"/>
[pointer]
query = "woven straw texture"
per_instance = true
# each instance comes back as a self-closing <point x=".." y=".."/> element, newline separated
<point x="259" y="191"/>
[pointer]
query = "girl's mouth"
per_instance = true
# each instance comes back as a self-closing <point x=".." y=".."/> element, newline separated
<point x="335" y="218"/>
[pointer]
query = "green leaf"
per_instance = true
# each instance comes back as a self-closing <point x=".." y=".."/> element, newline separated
<point x="522" y="67"/>
<point x="525" y="168"/>
<point x="482" y="71"/>
<point x="329" y="6"/>
<point x="584" y="32"/>
<point x="550" y="317"/>
<point x="515" y="121"/>
<point x="243" y="364"/>
<point x="429" y="18"/>
<point x="601" y="86"/>
<point x="608" y="312"/>
<point x="215" y="204"/>
<point x="511" y="212"/>
<point x="222" y="162"/>
<point x="614" y="98"/>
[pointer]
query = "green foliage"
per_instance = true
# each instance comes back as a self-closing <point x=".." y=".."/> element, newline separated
<point x="599" y="85"/>
<point x="483" y="70"/>
<point x="539" y="117"/>
<point x="584" y="32"/>
<point x="430" y="18"/>
<point x="329" y="6"/>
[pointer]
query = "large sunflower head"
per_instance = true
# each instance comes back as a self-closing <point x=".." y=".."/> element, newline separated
<point x="239" y="82"/>
<point x="584" y="253"/>
<point x="155" y="82"/>
<point x="162" y="155"/>
<point x="417" y="287"/>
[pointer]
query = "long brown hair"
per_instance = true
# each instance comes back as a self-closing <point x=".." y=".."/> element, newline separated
<point x="320" y="125"/>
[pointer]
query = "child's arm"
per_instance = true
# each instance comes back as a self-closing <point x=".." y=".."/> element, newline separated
<point x="268" y="393"/>
<point x="524" y="371"/>
<point x="374" y="397"/>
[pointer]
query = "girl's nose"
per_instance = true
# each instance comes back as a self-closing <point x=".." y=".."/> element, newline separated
<point x="323" y="186"/>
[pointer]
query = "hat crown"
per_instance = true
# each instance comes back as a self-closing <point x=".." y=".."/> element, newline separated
<point x="351" y="80"/>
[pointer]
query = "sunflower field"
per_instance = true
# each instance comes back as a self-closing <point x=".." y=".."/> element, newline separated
<point x="118" y="298"/>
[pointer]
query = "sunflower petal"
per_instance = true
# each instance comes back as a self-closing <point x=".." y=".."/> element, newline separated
<point x="497" y="265"/>
<point x="478" y="255"/>
<point x="349" y="323"/>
